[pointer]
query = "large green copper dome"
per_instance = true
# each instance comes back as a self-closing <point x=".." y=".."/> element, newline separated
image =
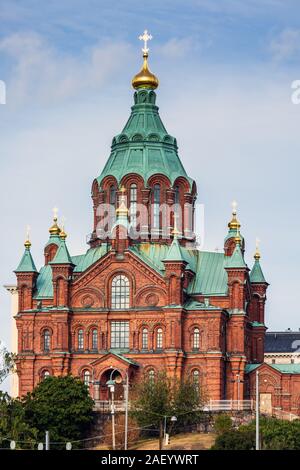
<point x="144" y="146"/>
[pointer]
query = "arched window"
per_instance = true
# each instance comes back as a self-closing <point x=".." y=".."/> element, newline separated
<point x="80" y="337"/>
<point x="95" y="339"/>
<point x="45" y="374"/>
<point x="196" y="379"/>
<point x="196" y="338"/>
<point x="86" y="378"/>
<point x="151" y="376"/>
<point x="159" y="338"/>
<point x="156" y="206"/>
<point x="145" y="338"/>
<point x="113" y="195"/>
<point x="176" y="200"/>
<point x="46" y="340"/>
<point x="120" y="292"/>
<point x="112" y="202"/>
<point x="133" y="203"/>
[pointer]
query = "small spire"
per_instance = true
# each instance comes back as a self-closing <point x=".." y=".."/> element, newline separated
<point x="238" y="238"/>
<point x="27" y="243"/>
<point x="63" y="234"/>
<point x="54" y="229"/>
<point x="145" y="78"/>
<point x="175" y="231"/>
<point x="234" y="224"/>
<point x="257" y="254"/>
<point x="122" y="209"/>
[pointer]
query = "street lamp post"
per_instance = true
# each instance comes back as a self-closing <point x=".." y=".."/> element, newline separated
<point x="173" y="421"/>
<point x="111" y="386"/>
<point x="111" y="383"/>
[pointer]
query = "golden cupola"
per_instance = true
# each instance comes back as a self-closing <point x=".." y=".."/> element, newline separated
<point x="145" y="78"/>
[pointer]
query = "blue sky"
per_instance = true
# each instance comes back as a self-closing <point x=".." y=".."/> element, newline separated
<point x="225" y="70"/>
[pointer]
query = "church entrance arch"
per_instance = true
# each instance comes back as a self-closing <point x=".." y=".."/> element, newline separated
<point x="105" y="393"/>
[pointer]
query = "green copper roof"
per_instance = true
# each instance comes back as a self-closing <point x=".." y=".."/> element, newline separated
<point x="210" y="276"/>
<point x="44" y="288"/>
<point x="209" y="268"/>
<point x="26" y="264"/>
<point x="257" y="324"/>
<point x="287" y="368"/>
<point x="282" y="368"/>
<point x="62" y="255"/>
<point x="251" y="367"/>
<point x="55" y="239"/>
<point x="237" y="259"/>
<point x="144" y="146"/>
<point x="174" y="252"/>
<point x="256" y="275"/>
<point x="232" y="233"/>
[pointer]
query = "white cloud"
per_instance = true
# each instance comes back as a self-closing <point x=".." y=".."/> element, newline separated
<point x="42" y="75"/>
<point x="286" y="45"/>
<point x="176" y="48"/>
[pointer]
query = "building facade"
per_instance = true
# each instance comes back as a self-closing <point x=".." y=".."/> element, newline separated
<point x="143" y="298"/>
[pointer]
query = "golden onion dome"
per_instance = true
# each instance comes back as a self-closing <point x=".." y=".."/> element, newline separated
<point x="234" y="224"/>
<point x="145" y="78"/>
<point x="257" y="251"/>
<point x="27" y="244"/>
<point x="54" y="229"/>
<point x="63" y="234"/>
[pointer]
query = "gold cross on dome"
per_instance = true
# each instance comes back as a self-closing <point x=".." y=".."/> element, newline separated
<point x="234" y="207"/>
<point x="257" y="244"/>
<point x="27" y="232"/>
<point x="55" y="212"/>
<point x="145" y="37"/>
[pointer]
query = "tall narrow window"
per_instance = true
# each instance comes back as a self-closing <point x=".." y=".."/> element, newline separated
<point x="46" y="340"/>
<point x="112" y="202"/>
<point x="176" y="200"/>
<point x="151" y="376"/>
<point x="95" y="339"/>
<point x="120" y="292"/>
<point x="196" y="338"/>
<point x="119" y="334"/>
<point x="133" y="204"/>
<point x="159" y="338"/>
<point x="196" y="379"/>
<point x="80" y="339"/>
<point x="156" y="206"/>
<point x="145" y="338"/>
<point x="86" y="378"/>
<point x="45" y="374"/>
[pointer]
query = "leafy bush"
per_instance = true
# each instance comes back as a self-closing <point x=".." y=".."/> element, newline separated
<point x="222" y="423"/>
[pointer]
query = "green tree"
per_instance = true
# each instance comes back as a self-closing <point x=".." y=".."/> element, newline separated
<point x="60" y="405"/>
<point x="275" y="435"/>
<point x="13" y="425"/>
<point x="235" y="440"/>
<point x="153" y="400"/>
<point x="7" y="363"/>
<point x="222" y="423"/>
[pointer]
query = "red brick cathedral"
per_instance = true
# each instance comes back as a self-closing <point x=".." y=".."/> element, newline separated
<point x="143" y="298"/>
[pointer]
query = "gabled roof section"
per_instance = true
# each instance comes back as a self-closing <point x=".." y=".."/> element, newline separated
<point x="281" y="368"/>
<point x="26" y="264"/>
<point x="62" y="255"/>
<point x="174" y="252"/>
<point x="209" y="267"/>
<point x="237" y="259"/>
<point x="117" y="355"/>
<point x="256" y="275"/>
